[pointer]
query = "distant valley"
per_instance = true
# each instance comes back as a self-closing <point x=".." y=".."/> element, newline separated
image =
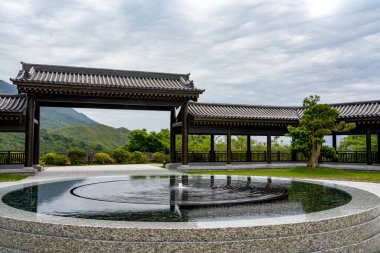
<point x="64" y="128"/>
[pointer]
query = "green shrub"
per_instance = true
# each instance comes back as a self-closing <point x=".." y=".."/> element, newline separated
<point x="160" y="157"/>
<point x="102" y="158"/>
<point x="121" y="155"/>
<point x="138" y="157"/>
<point x="76" y="155"/>
<point x="329" y="153"/>
<point x="54" y="159"/>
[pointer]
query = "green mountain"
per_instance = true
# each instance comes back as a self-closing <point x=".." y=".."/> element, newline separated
<point x="53" y="117"/>
<point x="65" y="128"/>
<point x="91" y="138"/>
<point x="7" y="88"/>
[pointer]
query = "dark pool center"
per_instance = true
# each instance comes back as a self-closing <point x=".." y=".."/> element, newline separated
<point x="179" y="198"/>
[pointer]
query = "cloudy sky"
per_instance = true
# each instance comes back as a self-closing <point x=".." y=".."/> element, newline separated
<point x="251" y="52"/>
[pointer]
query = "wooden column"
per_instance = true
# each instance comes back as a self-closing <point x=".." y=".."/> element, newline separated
<point x="29" y="133"/>
<point x="228" y="146"/>
<point x="368" y="146"/>
<point x="269" y="148"/>
<point x="334" y="141"/>
<point x="185" y="148"/>
<point x="249" y="156"/>
<point x="172" y="136"/>
<point x="36" y="135"/>
<point x="212" y="148"/>
<point x="378" y="148"/>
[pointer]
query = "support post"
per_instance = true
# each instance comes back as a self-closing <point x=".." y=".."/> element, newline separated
<point x="185" y="147"/>
<point x="212" y="148"/>
<point x="334" y="141"/>
<point x="249" y="154"/>
<point x="368" y="146"/>
<point x="269" y="148"/>
<point x="228" y="146"/>
<point x="29" y="133"/>
<point x="172" y="136"/>
<point x="36" y="136"/>
<point x="378" y="148"/>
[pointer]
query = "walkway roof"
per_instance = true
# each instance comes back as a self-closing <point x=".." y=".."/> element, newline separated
<point x="52" y="79"/>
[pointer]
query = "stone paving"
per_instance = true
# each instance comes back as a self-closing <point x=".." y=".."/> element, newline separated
<point x="73" y="236"/>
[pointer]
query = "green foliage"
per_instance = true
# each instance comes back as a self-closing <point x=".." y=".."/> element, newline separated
<point x="121" y="155"/>
<point x="160" y="157"/>
<point x="91" y="138"/>
<point x="56" y="117"/>
<point x="11" y="177"/>
<point x="76" y="155"/>
<point x="102" y="158"/>
<point x="329" y="153"/>
<point x="141" y="140"/>
<point x="138" y="157"/>
<point x="356" y="143"/>
<point x="316" y="121"/>
<point x="54" y="159"/>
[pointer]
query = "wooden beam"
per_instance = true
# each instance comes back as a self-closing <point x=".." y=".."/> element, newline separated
<point x="378" y="148"/>
<point x="334" y="141"/>
<point x="172" y="136"/>
<point x="269" y="148"/>
<point x="228" y="147"/>
<point x="108" y="102"/>
<point x="36" y="136"/>
<point x="368" y="147"/>
<point x="185" y="148"/>
<point x="249" y="156"/>
<point x="212" y="148"/>
<point x="29" y="144"/>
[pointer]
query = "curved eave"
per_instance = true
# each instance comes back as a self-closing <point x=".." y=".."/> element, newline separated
<point x="243" y="122"/>
<point x="48" y="88"/>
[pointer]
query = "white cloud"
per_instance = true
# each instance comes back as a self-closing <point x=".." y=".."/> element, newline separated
<point x="261" y="51"/>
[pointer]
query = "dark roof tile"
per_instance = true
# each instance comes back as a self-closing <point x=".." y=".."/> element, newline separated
<point x="367" y="109"/>
<point x="12" y="103"/>
<point x="68" y="75"/>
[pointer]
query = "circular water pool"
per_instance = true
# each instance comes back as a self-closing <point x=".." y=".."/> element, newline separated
<point x="176" y="198"/>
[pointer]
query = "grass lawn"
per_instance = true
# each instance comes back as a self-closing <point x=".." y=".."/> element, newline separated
<point x="10" y="177"/>
<point x="304" y="172"/>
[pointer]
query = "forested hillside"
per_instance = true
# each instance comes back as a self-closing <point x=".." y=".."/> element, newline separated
<point x="90" y="138"/>
<point x="65" y="128"/>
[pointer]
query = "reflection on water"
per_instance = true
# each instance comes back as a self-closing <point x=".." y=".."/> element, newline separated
<point x="176" y="198"/>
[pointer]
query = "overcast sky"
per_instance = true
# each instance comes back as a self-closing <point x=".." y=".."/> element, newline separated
<point x="251" y="52"/>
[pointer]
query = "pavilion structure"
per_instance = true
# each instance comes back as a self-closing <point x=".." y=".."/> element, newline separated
<point x="258" y="120"/>
<point x="66" y="86"/>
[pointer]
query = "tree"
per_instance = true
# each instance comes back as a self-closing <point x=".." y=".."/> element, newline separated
<point x="141" y="140"/>
<point x="356" y="143"/>
<point x="317" y="120"/>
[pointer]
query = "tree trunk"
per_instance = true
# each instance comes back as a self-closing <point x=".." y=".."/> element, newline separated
<point x="315" y="152"/>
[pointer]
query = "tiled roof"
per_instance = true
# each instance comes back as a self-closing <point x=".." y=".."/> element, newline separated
<point x="12" y="103"/>
<point x="355" y="110"/>
<point x="367" y="109"/>
<point x="95" y="77"/>
<point x="12" y="107"/>
<point x="228" y="111"/>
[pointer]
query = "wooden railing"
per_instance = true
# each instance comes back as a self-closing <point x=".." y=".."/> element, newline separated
<point x="12" y="157"/>
<point x="276" y="156"/>
<point x="18" y="157"/>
